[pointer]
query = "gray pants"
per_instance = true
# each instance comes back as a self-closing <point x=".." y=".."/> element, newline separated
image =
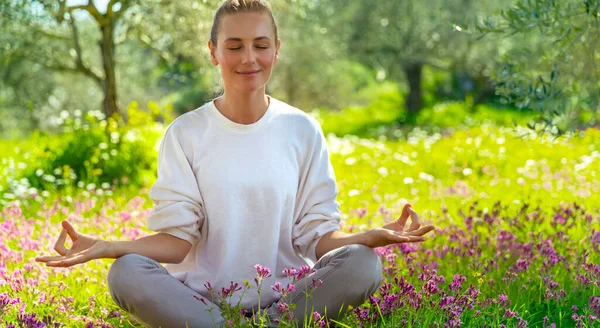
<point x="349" y="274"/>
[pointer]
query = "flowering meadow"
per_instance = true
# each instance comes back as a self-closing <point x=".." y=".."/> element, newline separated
<point x="517" y="239"/>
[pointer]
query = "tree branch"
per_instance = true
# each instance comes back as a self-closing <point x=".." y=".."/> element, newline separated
<point x="109" y="10"/>
<point x="79" y="65"/>
<point x="78" y="58"/>
<point x="90" y="8"/>
<point x="49" y="35"/>
<point x="144" y="39"/>
<point x="62" y="68"/>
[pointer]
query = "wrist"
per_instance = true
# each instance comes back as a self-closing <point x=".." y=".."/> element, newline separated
<point x="362" y="237"/>
<point x="110" y="249"/>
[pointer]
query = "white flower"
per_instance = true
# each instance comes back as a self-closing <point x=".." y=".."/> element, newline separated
<point x="467" y="171"/>
<point x="353" y="192"/>
<point x="383" y="171"/>
<point x="408" y="180"/>
<point x="426" y="177"/>
<point x="49" y="178"/>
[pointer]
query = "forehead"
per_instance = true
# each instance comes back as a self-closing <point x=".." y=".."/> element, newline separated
<point x="246" y="26"/>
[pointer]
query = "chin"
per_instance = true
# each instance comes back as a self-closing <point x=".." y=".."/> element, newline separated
<point x="248" y="88"/>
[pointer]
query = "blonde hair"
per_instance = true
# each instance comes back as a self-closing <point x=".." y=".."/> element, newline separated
<point x="240" y="6"/>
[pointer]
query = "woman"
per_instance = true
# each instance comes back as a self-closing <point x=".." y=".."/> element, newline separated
<point x="243" y="180"/>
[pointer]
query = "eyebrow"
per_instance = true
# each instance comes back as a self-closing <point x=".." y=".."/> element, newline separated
<point x="256" y="39"/>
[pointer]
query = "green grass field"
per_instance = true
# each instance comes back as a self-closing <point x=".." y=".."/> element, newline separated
<point x="517" y="240"/>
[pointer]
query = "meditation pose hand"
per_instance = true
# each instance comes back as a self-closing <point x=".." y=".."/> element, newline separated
<point x="394" y="232"/>
<point x="84" y="248"/>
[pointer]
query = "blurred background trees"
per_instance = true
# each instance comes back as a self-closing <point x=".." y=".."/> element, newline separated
<point x="62" y="56"/>
<point x="557" y="70"/>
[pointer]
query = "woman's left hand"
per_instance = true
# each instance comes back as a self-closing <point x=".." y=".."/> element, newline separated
<point x="394" y="232"/>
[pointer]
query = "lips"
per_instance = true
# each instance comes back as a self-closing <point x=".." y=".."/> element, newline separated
<point x="249" y="72"/>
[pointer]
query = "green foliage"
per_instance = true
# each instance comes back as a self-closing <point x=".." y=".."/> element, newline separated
<point x="456" y="114"/>
<point x="387" y="116"/>
<point x="386" y="109"/>
<point x="554" y="69"/>
<point x="453" y="181"/>
<point x="92" y="153"/>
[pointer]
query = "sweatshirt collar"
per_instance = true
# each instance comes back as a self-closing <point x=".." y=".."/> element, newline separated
<point x="227" y="124"/>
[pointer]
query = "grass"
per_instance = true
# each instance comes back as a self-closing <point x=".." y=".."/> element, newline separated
<point x="517" y="216"/>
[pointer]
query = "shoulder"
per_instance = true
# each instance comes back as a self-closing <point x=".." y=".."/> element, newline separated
<point x="187" y="122"/>
<point x="298" y="119"/>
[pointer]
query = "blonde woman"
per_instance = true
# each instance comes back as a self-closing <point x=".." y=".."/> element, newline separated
<point x="243" y="180"/>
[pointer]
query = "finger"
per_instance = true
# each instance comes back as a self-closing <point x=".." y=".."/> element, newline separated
<point x="49" y="258"/>
<point x="414" y="218"/>
<point x="408" y="239"/>
<point x="422" y="231"/>
<point x="67" y="262"/>
<point x="404" y="216"/>
<point x="59" y="246"/>
<point x="70" y="230"/>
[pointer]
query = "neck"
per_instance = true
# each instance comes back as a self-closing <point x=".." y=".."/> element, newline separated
<point x="243" y="108"/>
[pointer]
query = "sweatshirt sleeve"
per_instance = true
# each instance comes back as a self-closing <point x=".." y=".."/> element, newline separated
<point x="175" y="194"/>
<point x="319" y="210"/>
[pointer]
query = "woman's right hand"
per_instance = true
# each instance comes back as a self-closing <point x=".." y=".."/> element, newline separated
<point x="84" y="248"/>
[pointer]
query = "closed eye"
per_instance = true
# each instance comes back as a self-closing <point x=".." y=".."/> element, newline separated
<point x="238" y="48"/>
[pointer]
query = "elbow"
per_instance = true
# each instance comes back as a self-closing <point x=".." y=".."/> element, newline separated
<point x="177" y="248"/>
<point x="183" y="251"/>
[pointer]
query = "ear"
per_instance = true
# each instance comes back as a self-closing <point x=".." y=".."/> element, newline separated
<point x="213" y="53"/>
<point x="277" y="52"/>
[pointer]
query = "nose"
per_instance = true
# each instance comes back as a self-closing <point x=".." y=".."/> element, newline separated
<point x="249" y="55"/>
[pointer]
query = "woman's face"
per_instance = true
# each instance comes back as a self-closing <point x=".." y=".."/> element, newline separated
<point x="246" y="51"/>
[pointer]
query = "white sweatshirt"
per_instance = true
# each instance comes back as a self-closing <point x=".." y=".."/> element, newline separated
<point x="262" y="193"/>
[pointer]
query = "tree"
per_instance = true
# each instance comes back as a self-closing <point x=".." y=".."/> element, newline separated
<point x="59" y="22"/>
<point x="313" y="69"/>
<point x="165" y="28"/>
<point x="401" y="37"/>
<point x="558" y="72"/>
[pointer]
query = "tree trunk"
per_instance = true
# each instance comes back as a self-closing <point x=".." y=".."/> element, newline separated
<point x="414" y="101"/>
<point x="107" y="46"/>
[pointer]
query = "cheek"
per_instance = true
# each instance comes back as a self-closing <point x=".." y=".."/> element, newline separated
<point x="267" y="59"/>
<point x="228" y="59"/>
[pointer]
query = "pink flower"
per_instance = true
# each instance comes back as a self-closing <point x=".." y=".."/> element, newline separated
<point x="200" y="299"/>
<point x="316" y="316"/>
<point x="290" y="272"/>
<point x="276" y="287"/>
<point x="261" y="273"/>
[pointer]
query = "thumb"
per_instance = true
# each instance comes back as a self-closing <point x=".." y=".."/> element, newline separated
<point x="70" y="230"/>
<point x="405" y="211"/>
